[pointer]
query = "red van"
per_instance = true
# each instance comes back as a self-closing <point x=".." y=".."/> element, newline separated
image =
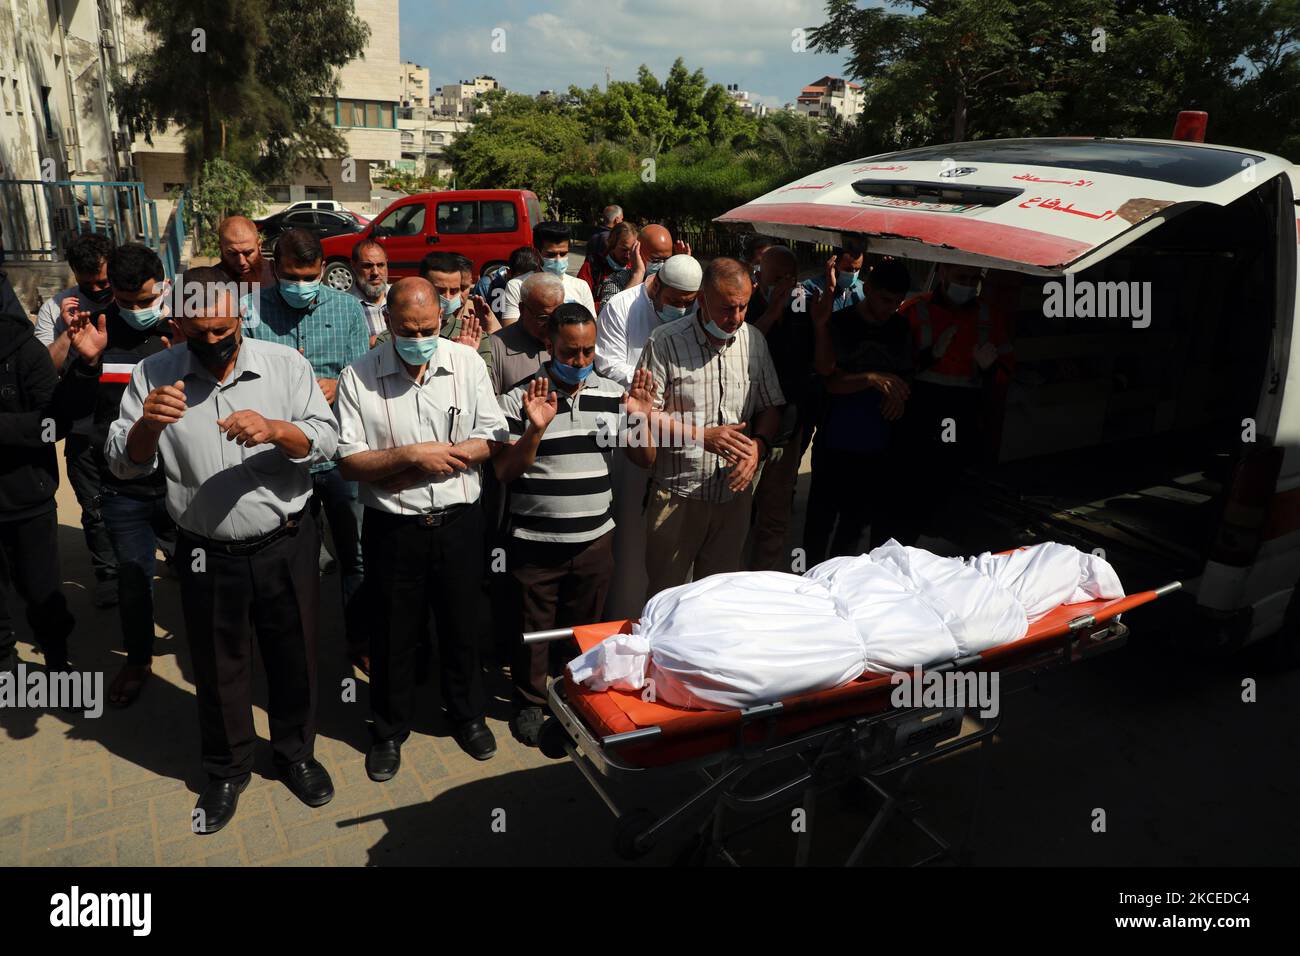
<point x="486" y="225"/>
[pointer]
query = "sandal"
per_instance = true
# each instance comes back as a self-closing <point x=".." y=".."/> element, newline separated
<point x="127" y="684"/>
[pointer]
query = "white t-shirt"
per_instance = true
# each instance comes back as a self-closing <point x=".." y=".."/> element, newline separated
<point x="621" y="332"/>
<point x="575" y="290"/>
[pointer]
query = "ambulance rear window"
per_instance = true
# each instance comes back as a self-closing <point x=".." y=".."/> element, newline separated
<point x="1166" y="162"/>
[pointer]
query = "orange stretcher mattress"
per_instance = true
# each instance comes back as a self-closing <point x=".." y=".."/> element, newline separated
<point x="690" y="734"/>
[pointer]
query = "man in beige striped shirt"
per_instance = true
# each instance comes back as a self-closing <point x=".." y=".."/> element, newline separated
<point x="717" y="407"/>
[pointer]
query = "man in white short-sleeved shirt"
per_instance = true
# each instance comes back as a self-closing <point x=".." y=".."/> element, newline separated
<point x="417" y="419"/>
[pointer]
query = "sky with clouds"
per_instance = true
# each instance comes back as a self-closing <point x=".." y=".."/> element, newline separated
<point x="550" y="44"/>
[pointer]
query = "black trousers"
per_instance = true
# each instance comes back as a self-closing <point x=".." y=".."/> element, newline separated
<point x="933" y="465"/>
<point x="850" y="492"/>
<point x="83" y="475"/>
<point x="277" y="591"/>
<point x="29" y="560"/>
<point x="413" y="568"/>
<point x="555" y="585"/>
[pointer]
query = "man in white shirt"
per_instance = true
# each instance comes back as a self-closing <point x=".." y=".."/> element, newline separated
<point x="370" y="283"/>
<point x="551" y="240"/>
<point x="417" y="416"/>
<point x="621" y="332"/>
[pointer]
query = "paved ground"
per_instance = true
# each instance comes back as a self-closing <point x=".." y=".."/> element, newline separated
<point x="1186" y="772"/>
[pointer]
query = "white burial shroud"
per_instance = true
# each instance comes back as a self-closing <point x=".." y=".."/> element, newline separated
<point x="753" y="637"/>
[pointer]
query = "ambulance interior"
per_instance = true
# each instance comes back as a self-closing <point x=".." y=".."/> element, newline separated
<point x="1126" y="438"/>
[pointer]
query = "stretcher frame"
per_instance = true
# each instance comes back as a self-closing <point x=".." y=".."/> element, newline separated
<point x="880" y="751"/>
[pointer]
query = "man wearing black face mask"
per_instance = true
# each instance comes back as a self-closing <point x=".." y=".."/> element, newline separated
<point x="236" y="423"/>
<point x="88" y="299"/>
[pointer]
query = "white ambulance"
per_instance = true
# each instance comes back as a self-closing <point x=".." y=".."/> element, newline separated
<point x="1151" y="286"/>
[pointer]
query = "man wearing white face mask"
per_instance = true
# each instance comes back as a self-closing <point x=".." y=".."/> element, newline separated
<point x="329" y="329"/>
<point x="962" y="346"/>
<point x="717" y="408"/>
<point x="621" y="333"/>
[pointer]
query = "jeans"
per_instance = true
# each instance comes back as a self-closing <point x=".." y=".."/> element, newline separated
<point x="83" y="475"/>
<point x="337" y="498"/>
<point x="135" y="527"/>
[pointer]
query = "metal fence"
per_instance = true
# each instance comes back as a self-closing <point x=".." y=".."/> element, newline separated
<point x="41" y="218"/>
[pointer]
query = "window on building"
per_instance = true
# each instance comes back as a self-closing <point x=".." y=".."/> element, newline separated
<point x="45" y="112"/>
<point x="366" y="113"/>
<point x="278" y="193"/>
<point x="318" y="192"/>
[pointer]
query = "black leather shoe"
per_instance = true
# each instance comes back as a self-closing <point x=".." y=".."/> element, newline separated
<point x="309" y="781"/>
<point x="383" y="760"/>
<point x="476" y="739"/>
<point x="217" y="805"/>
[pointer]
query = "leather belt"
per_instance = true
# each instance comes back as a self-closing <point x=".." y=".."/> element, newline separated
<point x="248" y="546"/>
<point x="429" y="519"/>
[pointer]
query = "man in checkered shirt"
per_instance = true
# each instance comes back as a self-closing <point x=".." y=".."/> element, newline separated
<point x="718" y="406"/>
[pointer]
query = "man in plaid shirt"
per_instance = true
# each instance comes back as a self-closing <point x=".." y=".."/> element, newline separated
<point x="328" y="328"/>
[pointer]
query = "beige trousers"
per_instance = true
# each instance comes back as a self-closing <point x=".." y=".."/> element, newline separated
<point x="688" y="539"/>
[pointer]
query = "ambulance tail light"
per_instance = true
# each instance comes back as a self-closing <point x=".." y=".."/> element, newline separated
<point x="1250" y="493"/>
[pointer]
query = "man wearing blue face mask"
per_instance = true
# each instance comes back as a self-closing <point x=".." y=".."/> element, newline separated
<point x="561" y="529"/>
<point x="643" y="258"/>
<point x="418" y="416"/>
<point x="848" y="286"/>
<point x="137" y="324"/>
<point x="551" y="240"/>
<point x="329" y="329"/>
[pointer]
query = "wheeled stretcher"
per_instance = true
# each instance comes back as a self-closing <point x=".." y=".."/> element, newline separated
<point x="765" y="760"/>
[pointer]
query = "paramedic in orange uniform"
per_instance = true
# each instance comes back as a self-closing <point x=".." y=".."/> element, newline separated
<point x="961" y="347"/>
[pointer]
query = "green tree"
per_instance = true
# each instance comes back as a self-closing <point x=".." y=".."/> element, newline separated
<point x="221" y="189"/>
<point x="949" y="70"/>
<point x="244" y="82"/>
<point x="522" y="142"/>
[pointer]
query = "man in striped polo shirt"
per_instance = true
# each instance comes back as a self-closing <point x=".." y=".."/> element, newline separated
<point x="560" y="554"/>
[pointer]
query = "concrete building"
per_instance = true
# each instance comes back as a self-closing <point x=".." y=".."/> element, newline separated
<point x="415" y="86"/>
<point x="56" y="57"/>
<point x="425" y="138"/>
<point x="831" y="96"/>
<point x="741" y="98"/>
<point x="365" y="112"/>
<point x="457" y="100"/>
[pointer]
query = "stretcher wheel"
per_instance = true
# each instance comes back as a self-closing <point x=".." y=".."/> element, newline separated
<point x="629" y="826"/>
<point x="551" y="739"/>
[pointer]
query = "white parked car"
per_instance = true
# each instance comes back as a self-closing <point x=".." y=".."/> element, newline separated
<point x="1170" y="437"/>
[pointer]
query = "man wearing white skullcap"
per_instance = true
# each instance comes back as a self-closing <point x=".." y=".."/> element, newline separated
<point x="625" y="323"/>
<point x="717" y="406"/>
